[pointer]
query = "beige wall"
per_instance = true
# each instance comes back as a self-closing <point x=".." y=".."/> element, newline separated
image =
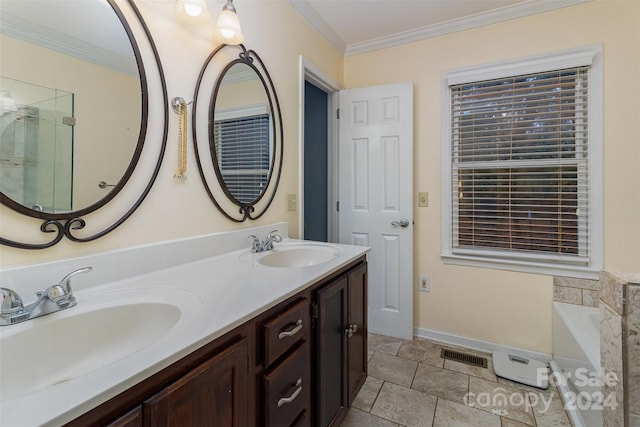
<point x="499" y="306"/>
<point x="176" y="209"/>
<point x="242" y="94"/>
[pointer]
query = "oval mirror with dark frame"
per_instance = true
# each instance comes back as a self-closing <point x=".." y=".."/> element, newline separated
<point x="238" y="139"/>
<point x="74" y="109"/>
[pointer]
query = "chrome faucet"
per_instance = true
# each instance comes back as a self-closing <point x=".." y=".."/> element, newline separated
<point x="267" y="245"/>
<point x="55" y="298"/>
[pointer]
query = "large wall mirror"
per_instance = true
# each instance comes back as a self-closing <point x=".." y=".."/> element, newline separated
<point x="74" y="108"/>
<point x="238" y="132"/>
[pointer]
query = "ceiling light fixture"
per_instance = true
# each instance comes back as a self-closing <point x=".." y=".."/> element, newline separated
<point x="192" y="11"/>
<point x="227" y="29"/>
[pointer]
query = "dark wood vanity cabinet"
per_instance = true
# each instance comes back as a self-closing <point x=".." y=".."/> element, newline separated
<point x="300" y="363"/>
<point x="340" y="344"/>
<point x="209" y="387"/>
<point x="214" y="394"/>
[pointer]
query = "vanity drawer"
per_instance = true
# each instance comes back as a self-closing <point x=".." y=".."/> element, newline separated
<point x="287" y="390"/>
<point x="284" y="330"/>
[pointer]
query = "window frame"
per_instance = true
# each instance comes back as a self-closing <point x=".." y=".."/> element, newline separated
<point x="530" y="263"/>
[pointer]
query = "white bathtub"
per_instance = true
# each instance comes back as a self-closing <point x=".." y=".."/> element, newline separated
<point x="576" y="361"/>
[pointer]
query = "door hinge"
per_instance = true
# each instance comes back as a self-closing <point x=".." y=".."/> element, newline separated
<point x="314" y="310"/>
<point x="338" y="114"/>
<point x="338" y="206"/>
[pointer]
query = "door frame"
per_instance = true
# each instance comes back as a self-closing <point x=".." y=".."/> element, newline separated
<point x="308" y="71"/>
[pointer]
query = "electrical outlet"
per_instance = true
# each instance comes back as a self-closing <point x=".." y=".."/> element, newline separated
<point x="424" y="284"/>
<point x="423" y="199"/>
<point x="292" y="202"/>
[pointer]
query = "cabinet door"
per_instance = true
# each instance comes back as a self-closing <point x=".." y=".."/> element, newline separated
<point x="331" y="344"/>
<point x="213" y="394"/>
<point x="357" y="340"/>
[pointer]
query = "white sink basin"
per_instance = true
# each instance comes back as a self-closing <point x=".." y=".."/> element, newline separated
<point x="40" y="353"/>
<point x="298" y="254"/>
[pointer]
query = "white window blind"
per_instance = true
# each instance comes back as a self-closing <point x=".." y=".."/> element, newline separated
<point x="519" y="165"/>
<point x="243" y="149"/>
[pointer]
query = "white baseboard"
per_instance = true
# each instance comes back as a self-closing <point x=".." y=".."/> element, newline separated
<point x="479" y="345"/>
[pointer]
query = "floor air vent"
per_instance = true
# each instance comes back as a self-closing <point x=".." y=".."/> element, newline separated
<point x="469" y="359"/>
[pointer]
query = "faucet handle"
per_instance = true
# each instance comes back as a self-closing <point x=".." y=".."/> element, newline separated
<point x="65" y="283"/>
<point x="11" y="302"/>
<point x="255" y="242"/>
<point x="274" y="237"/>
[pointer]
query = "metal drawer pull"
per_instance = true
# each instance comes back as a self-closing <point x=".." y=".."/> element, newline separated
<point x="292" y="332"/>
<point x="293" y="396"/>
<point x="351" y="330"/>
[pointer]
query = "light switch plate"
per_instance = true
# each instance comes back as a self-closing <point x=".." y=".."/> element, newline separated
<point x="423" y="199"/>
<point x="292" y="202"/>
<point x="424" y="284"/>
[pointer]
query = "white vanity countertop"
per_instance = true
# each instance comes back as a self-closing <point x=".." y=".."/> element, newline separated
<point x="224" y="290"/>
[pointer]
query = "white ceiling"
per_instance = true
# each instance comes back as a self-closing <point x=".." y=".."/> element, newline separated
<point x="358" y="26"/>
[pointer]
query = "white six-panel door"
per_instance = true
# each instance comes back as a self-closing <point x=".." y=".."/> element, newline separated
<point x="376" y="197"/>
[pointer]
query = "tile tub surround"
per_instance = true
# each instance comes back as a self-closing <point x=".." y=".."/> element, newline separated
<point x="620" y="345"/>
<point x="437" y="388"/>
<point x="576" y="291"/>
<point x="230" y="290"/>
<point x="633" y="350"/>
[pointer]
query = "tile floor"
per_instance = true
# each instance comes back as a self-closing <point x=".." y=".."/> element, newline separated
<point x="409" y="384"/>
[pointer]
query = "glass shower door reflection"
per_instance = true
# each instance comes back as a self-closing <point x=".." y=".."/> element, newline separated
<point x="37" y="138"/>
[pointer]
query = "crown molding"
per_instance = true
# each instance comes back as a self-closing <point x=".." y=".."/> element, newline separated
<point x="20" y="28"/>
<point x="506" y="13"/>
<point x="235" y="76"/>
<point x="468" y="22"/>
<point x="309" y="13"/>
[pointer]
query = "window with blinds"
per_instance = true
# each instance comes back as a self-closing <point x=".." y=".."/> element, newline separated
<point x="243" y="150"/>
<point x="519" y="166"/>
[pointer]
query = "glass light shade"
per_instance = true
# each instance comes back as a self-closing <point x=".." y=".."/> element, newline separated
<point x="227" y="28"/>
<point x="192" y="11"/>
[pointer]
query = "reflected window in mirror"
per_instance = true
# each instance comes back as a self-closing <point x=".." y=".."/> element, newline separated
<point x="243" y="144"/>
